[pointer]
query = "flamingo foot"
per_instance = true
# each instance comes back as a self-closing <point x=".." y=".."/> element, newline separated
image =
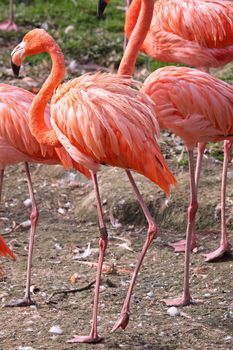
<point x="8" y="26"/>
<point x="86" y="339"/>
<point x="180" y="246"/>
<point x="183" y="301"/>
<point x="21" y="303"/>
<point x="122" y="321"/>
<point x="218" y="253"/>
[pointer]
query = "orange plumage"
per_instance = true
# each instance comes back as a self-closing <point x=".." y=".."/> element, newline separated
<point x="17" y="144"/>
<point x="193" y="104"/>
<point x="99" y="119"/>
<point x="195" y="32"/>
<point x="109" y="124"/>
<point x="4" y="251"/>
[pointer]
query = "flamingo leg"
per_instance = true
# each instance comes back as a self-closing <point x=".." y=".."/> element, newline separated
<point x="27" y="301"/>
<point x="186" y="298"/>
<point x="152" y="230"/>
<point x="224" y="243"/>
<point x="9" y="25"/>
<point x="180" y="246"/>
<point x="94" y="337"/>
<point x="1" y="183"/>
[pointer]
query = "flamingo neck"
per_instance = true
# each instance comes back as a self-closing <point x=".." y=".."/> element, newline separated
<point x="37" y="124"/>
<point x="137" y="37"/>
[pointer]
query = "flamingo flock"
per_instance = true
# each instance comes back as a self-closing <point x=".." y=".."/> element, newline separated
<point x="105" y="119"/>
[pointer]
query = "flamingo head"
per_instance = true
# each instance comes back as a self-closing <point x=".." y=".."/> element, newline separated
<point x="101" y="7"/>
<point x="34" y="42"/>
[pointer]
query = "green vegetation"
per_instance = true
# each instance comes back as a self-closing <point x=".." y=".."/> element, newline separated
<point x="91" y="40"/>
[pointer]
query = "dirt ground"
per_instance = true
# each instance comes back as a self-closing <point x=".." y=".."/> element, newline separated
<point x="67" y="230"/>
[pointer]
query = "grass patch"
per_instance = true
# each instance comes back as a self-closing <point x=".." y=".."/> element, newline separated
<point x="91" y="41"/>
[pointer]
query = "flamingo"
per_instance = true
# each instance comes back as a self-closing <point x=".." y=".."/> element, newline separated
<point x="9" y="25"/>
<point x="4" y="251"/>
<point x="198" y="33"/>
<point x="18" y="145"/>
<point x="100" y="119"/>
<point x="195" y="106"/>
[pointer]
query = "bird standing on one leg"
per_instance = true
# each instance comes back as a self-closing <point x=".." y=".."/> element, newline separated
<point x="18" y="145"/>
<point x="9" y="25"/>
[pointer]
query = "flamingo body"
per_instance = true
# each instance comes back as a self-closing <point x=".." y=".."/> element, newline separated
<point x="17" y="144"/>
<point x="195" y="32"/>
<point x="99" y="119"/>
<point x="128" y="139"/>
<point x="193" y="104"/>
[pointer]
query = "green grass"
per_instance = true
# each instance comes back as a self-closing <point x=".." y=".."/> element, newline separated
<point x="91" y="41"/>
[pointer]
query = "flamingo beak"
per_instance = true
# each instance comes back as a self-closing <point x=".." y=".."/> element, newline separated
<point x="17" y="57"/>
<point x="101" y="7"/>
<point x="15" y="69"/>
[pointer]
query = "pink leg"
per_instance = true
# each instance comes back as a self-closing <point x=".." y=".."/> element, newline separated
<point x="224" y="244"/>
<point x="186" y="298"/>
<point x="124" y="315"/>
<point x="94" y="337"/>
<point x="180" y="246"/>
<point x="27" y="301"/>
<point x="9" y="25"/>
<point x="1" y="182"/>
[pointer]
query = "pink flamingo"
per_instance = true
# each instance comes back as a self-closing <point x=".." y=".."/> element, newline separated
<point x="198" y="33"/>
<point x="195" y="106"/>
<point x="18" y="145"/>
<point x="9" y="25"/>
<point x="99" y="119"/>
<point x="4" y="251"/>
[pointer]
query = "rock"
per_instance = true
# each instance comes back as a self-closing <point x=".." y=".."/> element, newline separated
<point x="26" y="224"/>
<point x="69" y="29"/>
<point x="173" y="311"/>
<point x="56" y="330"/>
<point x="27" y="202"/>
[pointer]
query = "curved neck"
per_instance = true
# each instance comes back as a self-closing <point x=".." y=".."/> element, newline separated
<point x="137" y="37"/>
<point x="37" y="124"/>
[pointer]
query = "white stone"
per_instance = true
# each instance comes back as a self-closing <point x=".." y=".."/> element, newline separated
<point x="26" y="224"/>
<point x="150" y="294"/>
<point x="173" y="311"/>
<point x="56" y="330"/>
<point x="27" y="202"/>
<point x="61" y="211"/>
<point x="69" y="29"/>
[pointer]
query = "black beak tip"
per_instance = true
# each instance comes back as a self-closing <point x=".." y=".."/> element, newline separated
<point x="15" y="69"/>
<point x="101" y="7"/>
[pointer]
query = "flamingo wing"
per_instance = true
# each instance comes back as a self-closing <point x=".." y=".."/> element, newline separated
<point x="207" y="22"/>
<point x="102" y="119"/>
<point x="14" y="113"/>
<point x="193" y="104"/>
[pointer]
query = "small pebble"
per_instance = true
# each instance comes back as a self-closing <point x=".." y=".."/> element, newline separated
<point x="229" y="337"/>
<point x="26" y="224"/>
<point x="150" y="294"/>
<point x="27" y="202"/>
<point x="69" y="29"/>
<point x="173" y="311"/>
<point x="25" y="348"/>
<point x="56" y="330"/>
<point x="61" y="211"/>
